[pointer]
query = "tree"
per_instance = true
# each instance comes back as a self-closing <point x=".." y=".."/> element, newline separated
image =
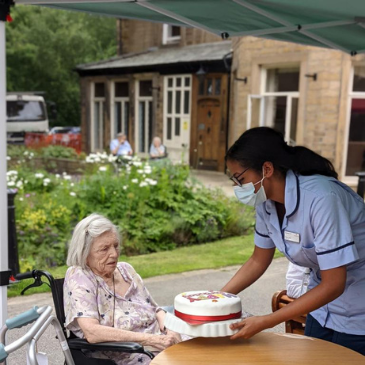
<point x="45" y="45"/>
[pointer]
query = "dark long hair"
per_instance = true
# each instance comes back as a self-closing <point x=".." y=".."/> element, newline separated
<point x="258" y="145"/>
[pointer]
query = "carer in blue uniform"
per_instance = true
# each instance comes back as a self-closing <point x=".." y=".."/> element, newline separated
<point x="315" y="221"/>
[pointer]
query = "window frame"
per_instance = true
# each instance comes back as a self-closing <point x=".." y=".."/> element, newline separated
<point x="101" y="101"/>
<point x="167" y="38"/>
<point x="290" y="95"/>
<point x="145" y="99"/>
<point x="349" y="179"/>
<point x="123" y="100"/>
<point x="176" y="140"/>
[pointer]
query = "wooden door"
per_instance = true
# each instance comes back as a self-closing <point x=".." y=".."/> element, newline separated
<point x="209" y="113"/>
<point x="209" y="122"/>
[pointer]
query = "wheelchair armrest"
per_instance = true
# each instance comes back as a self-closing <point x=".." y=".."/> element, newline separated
<point x="82" y="344"/>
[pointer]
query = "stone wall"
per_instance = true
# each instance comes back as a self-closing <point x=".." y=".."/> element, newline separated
<point x="136" y="36"/>
<point x="323" y="106"/>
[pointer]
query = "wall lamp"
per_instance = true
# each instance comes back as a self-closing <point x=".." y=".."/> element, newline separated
<point x="313" y="76"/>
<point x="201" y="73"/>
<point x="240" y="79"/>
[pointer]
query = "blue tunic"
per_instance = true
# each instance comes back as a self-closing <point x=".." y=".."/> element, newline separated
<point x="323" y="228"/>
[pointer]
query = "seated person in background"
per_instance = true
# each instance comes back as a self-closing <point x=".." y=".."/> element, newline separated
<point x="297" y="279"/>
<point x="120" y="146"/>
<point x="106" y="300"/>
<point x="157" y="150"/>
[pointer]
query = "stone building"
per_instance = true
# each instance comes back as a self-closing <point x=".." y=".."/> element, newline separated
<point x="200" y="93"/>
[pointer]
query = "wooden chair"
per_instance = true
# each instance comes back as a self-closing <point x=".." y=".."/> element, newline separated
<point x="294" y="325"/>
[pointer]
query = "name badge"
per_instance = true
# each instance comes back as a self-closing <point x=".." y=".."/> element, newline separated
<point x="291" y="236"/>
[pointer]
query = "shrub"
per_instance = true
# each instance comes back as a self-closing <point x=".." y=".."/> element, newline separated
<point x="157" y="207"/>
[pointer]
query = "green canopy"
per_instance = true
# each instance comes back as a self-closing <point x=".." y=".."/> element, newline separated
<point x="334" y="24"/>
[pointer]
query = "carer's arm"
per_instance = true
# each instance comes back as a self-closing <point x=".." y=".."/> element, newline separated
<point x="252" y="270"/>
<point x="332" y="286"/>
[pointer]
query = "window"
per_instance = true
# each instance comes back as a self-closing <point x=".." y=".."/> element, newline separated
<point x="170" y="34"/>
<point x="177" y="94"/>
<point x="121" y="108"/>
<point x="355" y="139"/>
<point x="97" y="124"/>
<point x="277" y="105"/>
<point x="144" y="115"/>
<point x="209" y="86"/>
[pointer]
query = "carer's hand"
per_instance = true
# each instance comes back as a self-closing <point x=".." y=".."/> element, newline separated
<point x="248" y="327"/>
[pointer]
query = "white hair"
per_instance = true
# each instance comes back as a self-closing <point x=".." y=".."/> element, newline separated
<point x="84" y="235"/>
<point x="156" y="139"/>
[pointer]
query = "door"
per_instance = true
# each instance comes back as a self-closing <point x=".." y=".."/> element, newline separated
<point x="209" y="112"/>
<point x="209" y="122"/>
<point x="177" y="100"/>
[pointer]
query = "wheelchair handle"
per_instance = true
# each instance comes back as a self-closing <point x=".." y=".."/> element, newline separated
<point x="25" y="275"/>
<point x="23" y="319"/>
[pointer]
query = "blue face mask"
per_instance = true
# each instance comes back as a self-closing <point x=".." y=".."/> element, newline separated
<point x="246" y="193"/>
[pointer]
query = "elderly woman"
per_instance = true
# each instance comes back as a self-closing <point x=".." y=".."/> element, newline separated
<point x="106" y="300"/>
<point x="157" y="149"/>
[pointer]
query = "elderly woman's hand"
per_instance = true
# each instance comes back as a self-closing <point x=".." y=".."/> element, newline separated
<point x="161" y="342"/>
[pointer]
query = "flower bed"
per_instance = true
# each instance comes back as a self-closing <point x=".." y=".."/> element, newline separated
<point x="157" y="207"/>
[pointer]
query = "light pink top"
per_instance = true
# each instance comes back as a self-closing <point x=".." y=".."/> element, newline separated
<point x="87" y="295"/>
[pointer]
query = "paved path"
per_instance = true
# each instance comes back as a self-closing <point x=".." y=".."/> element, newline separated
<point x="255" y="300"/>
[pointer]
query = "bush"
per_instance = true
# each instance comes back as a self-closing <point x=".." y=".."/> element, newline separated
<point x="157" y="207"/>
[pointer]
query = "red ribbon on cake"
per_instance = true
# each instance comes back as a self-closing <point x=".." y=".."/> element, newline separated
<point x="192" y="319"/>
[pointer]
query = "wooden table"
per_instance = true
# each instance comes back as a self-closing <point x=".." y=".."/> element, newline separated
<point x="264" y="348"/>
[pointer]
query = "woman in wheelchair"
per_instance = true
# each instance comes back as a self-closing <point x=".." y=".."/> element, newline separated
<point x="106" y="300"/>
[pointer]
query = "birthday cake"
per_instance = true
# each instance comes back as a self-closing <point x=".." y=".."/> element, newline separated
<point x="199" y="307"/>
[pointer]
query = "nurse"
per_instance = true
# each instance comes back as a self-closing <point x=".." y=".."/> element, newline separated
<point x="315" y="221"/>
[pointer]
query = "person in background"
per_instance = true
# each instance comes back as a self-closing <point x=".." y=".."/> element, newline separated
<point x="297" y="280"/>
<point x="157" y="149"/>
<point x="120" y="146"/>
<point x="106" y="300"/>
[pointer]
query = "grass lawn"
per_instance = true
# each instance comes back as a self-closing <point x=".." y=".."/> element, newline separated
<point x="226" y="252"/>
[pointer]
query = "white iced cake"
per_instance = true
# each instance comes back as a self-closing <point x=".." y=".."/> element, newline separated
<point x="203" y="306"/>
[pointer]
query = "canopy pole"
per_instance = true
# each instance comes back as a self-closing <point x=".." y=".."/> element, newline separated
<point x="293" y="28"/>
<point x="3" y="185"/>
<point x="268" y="15"/>
<point x="170" y="14"/>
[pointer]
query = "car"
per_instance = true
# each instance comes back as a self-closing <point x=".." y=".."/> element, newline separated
<point x="65" y="130"/>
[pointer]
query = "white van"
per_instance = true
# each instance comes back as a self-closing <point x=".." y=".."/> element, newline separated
<point x="25" y="112"/>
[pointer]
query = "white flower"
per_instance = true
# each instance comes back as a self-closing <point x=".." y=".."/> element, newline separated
<point x="19" y="184"/>
<point x="102" y="168"/>
<point x="135" y="181"/>
<point x="72" y="184"/>
<point x="64" y="173"/>
<point x="39" y="175"/>
<point x="112" y="158"/>
<point x="125" y="187"/>
<point x="140" y="171"/>
<point x="12" y="172"/>
<point x="58" y="176"/>
<point x="46" y="180"/>
<point x="21" y="199"/>
<point x="137" y="163"/>
<point x="152" y="182"/>
<point x="67" y="177"/>
<point x="97" y="159"/>
<point x="72" y="193"/>
<point x="25" y="181"/>
<point x="8" y="158"/>
<point x="25" y="153"/>
<point x="142" y="184"/>
<point x="11" y="183"/>
<point x="126" y="157"/>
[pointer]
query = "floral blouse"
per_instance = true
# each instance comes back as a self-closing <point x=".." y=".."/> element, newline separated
<point x="86" y="295"/>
